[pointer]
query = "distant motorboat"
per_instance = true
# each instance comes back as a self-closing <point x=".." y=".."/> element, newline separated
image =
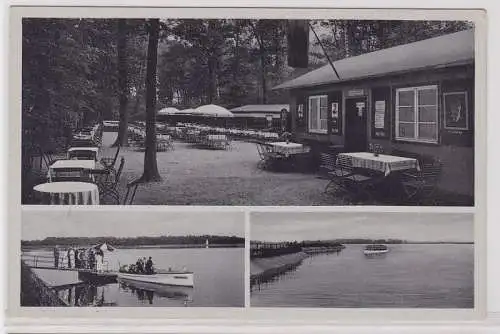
<point x="167" y="278"/>
<point x="375" y="249"/>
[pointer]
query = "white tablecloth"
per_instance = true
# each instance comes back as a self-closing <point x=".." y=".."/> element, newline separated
<point x="71" y="164"/>
<point x="93" y="149"/>
<point x="288" y="148"/>
<point x="72" y="193"/>
<point x="85" y="164"/>
<point x="382" y="163"/>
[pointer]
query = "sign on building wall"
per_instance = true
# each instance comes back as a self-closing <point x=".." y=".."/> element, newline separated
<point x="457" y="113"/>
<point x="356" y="92"/>
<point x="335" y="124"/>
<point x="380" y="112"/>
<point x="456" y="116"/>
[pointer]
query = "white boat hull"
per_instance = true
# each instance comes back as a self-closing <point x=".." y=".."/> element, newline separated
<point x="375" y="252"/>
<point x="172" y="279"/>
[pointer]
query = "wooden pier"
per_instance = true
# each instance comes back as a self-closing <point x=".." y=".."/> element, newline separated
<point x="43" y="267"/>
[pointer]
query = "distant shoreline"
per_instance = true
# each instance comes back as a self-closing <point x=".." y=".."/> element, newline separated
<point x="50" y="247"/>
<point x="395" y="243"/>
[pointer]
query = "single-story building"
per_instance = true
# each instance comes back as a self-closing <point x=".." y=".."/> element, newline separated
<point x="417" y="98"/>
<point x="259" y="116"/>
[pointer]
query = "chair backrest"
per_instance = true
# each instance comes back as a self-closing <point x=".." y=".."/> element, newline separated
<point x="431" y="171"/>
<point x="116" y="154"/>
<point x="119" y="171"/>
<point x="344" y="163"/>
<point x="327" y="160"/>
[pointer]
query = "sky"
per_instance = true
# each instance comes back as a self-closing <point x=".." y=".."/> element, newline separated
<point x="38" y="224"/>
<point x="410" y="226"/>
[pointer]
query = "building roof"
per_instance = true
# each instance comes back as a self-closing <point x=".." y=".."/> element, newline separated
<point x="260" y="108"/>
<point x="443" y="51"/>
<point x="258" y="115"/>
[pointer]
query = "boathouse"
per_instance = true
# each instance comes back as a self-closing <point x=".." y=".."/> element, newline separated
<point x="416" y="97"/>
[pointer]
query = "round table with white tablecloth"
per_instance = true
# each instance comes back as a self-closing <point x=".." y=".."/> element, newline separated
<point x="68" y="193"/>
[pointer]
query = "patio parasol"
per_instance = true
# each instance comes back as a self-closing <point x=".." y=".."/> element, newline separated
<point x="212" y="110"/>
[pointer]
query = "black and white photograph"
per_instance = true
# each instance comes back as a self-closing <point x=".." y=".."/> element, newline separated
<point x="247" y="112"/>
<point x="362" y="260"/>
<point x="137" y="258"/>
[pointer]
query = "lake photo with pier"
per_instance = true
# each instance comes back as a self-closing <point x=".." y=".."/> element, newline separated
<point x="153" y="259"/>
<point x="362" y="260"/>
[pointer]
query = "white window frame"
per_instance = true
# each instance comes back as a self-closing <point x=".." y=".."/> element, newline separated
<point x="318" y="129"/>
<point x="416" y="122"/>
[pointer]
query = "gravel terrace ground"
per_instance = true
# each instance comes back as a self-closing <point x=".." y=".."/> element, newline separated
<point x="196" y="176"/>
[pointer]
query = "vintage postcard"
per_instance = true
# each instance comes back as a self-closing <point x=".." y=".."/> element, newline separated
<point x="264" y="165"/>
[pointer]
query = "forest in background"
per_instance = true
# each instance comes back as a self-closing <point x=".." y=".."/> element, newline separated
<point x="75" y="71"/>
<point x="135" y="241"/>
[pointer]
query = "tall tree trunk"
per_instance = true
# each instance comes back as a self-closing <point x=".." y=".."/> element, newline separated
<point x="263" y="72"/>
<point x="150" y="165"/>
<point x="122" y="139"/>
<point x="211" y="80"/>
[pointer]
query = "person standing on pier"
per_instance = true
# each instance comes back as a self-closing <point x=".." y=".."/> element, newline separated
<point x="56" y="257"/>
<point x="91" y="259"/>
<point x="71" y="258"/>
<point x="99" y="256"/>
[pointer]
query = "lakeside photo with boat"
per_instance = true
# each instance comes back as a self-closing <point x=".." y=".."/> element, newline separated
<point x="362" y="260"/>
<point x="131" y="258"/>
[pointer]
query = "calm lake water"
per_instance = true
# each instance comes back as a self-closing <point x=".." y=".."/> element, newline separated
<point x="426" y="276"/>
<point x="218" y="280"/>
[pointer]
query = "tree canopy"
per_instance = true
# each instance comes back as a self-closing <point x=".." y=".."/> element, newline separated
<point x="73" y="73"/>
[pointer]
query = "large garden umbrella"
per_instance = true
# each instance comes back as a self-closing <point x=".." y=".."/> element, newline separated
<point x="214" y="114"/>
<point x="212" y="110"/>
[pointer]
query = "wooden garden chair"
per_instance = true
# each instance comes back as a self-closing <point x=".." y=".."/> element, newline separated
<point x="109" y="162"/>
<point x="349" y="179"/>
<point x="108" y="187"/>
<point x="421" y="186"/>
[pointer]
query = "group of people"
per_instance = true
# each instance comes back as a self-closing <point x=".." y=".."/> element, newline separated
<point x="82" y="258"/>
<point x="141" y="266"/>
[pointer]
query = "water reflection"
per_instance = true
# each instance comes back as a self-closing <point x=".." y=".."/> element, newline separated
<point x="261" y="281"/>
<point x="182" y="294"/>
<point x="86" y="295"/>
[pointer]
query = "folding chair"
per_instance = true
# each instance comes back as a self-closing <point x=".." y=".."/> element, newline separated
<point x="109" y="162"/>
<point x="109" y="186"/>
<point x="347" y="178"/>
<point x="422" y="185"/>
<point x="131" y="191"/>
